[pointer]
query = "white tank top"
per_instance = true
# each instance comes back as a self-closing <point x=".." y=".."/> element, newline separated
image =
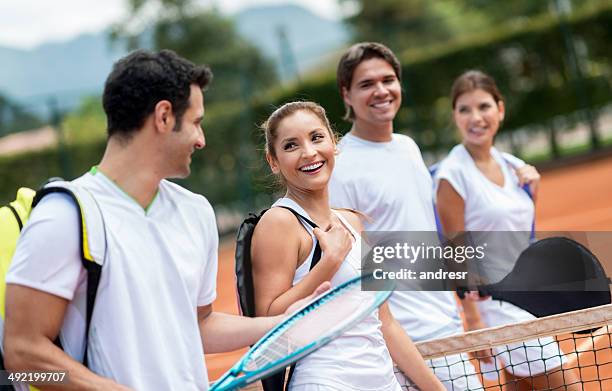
<point x="358" y="359"/>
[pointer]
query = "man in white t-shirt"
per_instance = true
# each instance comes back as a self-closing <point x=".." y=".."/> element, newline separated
<point x="382" y="174"/>
<point x="153" y="319"/>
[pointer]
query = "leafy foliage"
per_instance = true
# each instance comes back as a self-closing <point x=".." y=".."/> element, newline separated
<point x="14" y="118"/>
<point x="203" y="36"/>
<point x="87" y="123"/>
<point x="529" y="60"/>
<point x="404" y="24"/>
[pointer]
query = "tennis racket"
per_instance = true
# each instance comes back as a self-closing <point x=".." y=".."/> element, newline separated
<point x="306" y="330"/>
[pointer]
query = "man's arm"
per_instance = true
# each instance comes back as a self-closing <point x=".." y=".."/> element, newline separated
<point x="41" y="282"/>
<point x="221" y="332"/>
<point x="33" y="321"/>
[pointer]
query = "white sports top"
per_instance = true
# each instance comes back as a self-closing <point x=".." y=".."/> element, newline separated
<point x="388" y="182"/>
<point x="357" y="360"/>
<point x="505" y="210"/>
<point x="161" y="264"/>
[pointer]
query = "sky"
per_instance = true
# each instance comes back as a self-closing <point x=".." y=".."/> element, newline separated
<point x="26" y="24"/>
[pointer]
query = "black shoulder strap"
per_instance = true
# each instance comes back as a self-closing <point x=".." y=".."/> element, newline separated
<point x="93" y="280"/>
<point x="276" y="382"/>
<point x="19" y="222"/>
<point x="316" y="256"/>
<point x="93" y="269"/>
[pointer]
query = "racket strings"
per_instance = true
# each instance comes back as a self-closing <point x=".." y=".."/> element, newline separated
<point x="314" y="323"/>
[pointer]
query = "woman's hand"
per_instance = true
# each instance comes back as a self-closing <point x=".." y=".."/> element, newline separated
<point x="336" y="242"/>
<point x="530" y="176"/>
<point x="475" y="296"/>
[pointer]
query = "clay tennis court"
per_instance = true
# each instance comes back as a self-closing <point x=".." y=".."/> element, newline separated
<point x="571" y="198"/>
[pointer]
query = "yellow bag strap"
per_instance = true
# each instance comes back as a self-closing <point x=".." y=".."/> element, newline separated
<point x="17" y="211"/>
<point x="91" y="224"/>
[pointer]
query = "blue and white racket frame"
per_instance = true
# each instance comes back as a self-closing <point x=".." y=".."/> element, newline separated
<point x="232" y="380"/>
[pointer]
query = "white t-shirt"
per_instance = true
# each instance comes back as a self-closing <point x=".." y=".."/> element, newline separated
<point x="388" y="182"/>
<point x="500" y="216"/>
<point x="161" y="264"/>
<point x="365" y="360"/>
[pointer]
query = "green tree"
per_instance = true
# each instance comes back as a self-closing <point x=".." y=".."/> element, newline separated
<point x="409" y="24"/>
<point x="85" y="124"/>
<point x="14" y="118"/>
<point x="203" y="36"/>
<point x="240" y="71"/>
<point x="397" y="23"/>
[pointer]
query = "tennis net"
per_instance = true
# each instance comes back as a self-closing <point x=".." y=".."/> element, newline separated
<point x="570" y="351"/>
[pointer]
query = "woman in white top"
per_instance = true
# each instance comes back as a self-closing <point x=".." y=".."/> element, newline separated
<point x="301" y="149"/>
<point x="480" y="189"/>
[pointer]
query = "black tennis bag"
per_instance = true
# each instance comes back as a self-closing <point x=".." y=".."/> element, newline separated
<point x="553" y="276"/>
<point x="244" y="282"/>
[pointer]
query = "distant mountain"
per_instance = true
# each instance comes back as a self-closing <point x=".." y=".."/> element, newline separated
<point x="72" y="69"/>
<point x="309" y="38"/>
<point x="66" y="70"/>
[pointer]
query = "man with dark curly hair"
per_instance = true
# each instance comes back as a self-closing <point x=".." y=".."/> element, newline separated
<point x="153" y="318"/>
